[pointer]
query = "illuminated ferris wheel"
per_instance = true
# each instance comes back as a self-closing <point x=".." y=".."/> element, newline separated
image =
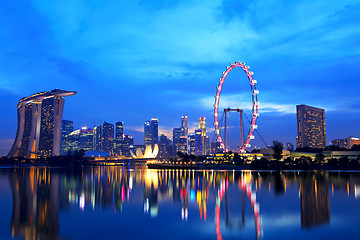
<point x="222" y="131"/>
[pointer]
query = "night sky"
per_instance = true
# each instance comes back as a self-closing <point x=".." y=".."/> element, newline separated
<point x="133" y="60"/>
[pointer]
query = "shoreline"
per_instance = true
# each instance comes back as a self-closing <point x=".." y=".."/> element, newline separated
<point x="200" y="167"/>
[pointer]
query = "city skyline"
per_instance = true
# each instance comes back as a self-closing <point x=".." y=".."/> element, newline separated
<point x="172" y="56"/>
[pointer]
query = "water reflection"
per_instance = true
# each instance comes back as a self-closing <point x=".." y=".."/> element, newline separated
<point x="39" y="193"/>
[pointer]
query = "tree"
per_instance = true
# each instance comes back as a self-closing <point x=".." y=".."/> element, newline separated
<point x="237" y="159"/>
<point x="278" y="149"/>
<point x="355" y="147"/>
<point x="319" y="158"/>
<point x="180" y="154"/>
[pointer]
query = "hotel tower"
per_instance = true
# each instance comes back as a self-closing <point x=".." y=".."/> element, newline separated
<point x="39" y="124"/>
<point x="311" y="130"/>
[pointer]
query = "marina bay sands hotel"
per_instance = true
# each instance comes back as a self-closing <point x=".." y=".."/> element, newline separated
<point x="39" y="124"/>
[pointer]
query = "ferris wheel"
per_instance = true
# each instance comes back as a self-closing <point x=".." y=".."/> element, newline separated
<point x="244" y="142"/>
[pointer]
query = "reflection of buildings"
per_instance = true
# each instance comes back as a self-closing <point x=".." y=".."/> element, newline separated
<point x="38" y="193"/>
<point x="314" y="202"/>
<point x="35" y="204"/>
<point x="39" y="124"/>
<point x="151" y="193"/>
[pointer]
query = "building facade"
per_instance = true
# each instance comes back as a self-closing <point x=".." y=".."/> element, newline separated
<point x="204" y="140"/>
<point x="151" y="132"/>
<point x="184" y="124"/>
<point x="180" y="140"/>
<point x="39" y="124"/>
<point x="108" y="137"/>
<point x="98" y="138"/>
<point x="66" y="128"/>
<point x="191" y="143"/>
<point x="341" y="143"/>
<point x="311" y="130"/>
<point x="119" y="133"/>
<point x="164" y="142"/>
<point x="147" y="133"/>
<point x="351" y="141"/>
<point x="154" y="129"/>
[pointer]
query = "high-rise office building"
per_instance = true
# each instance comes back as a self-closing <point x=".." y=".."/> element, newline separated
<point x="86" y="139"/>
<point x="204" y="142"/>
<point x="128" y="143"/>
<point x="184" y="124"/>
<point x="191" y="143"/>
<point x="39" y="124"/>
<point x="151" y="132"/>
<point x="198" y="142"/>
<point x="164" y="142"/>
<point x="119" y="132"/>
<point x="311" y="127"/>
<point x="66" y="128"/>
<point x="98" y="138"/>
<point x="154" y="128"/>
<point x="179" y="139"/>
<point x="108" y="137"/>
<point x="79" y="139"/>
<point x="147" y="133"/>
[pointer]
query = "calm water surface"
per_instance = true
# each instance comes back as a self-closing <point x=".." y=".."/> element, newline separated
<point x="114" y="202"/>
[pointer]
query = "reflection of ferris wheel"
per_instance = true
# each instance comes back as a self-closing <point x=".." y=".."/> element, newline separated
<point x="244" y="143"/>
<point x="246" y="188"/>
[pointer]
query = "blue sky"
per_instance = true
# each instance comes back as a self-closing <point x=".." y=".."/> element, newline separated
<point x="133" y="60"/>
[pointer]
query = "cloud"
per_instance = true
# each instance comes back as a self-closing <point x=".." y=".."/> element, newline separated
<point x="239" y="101"/>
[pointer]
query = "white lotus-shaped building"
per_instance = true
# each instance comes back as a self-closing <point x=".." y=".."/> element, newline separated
<point x="149" y="152"/>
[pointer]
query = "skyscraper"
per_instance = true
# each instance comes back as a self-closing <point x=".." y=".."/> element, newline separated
<point x="119" y="132"/>
<point x="66" y="128"/>
<point x="202" y="127"/>
<point x="98" y="138"/>
<point x="108" y="137"/>
<point x="311" y="127"/>
<point x="128" y="143"/>
<point x="39" y="124"/>
<point x="179" y="139"/>
<point x="191" y="143"/>
<point x="184" y="124"/>
<point x="147" y="133"/>
<point x="151" y="132"/>
<point x="164" y="142"/>
<point x="198" y="143"/>
<point x="154" y="128"/>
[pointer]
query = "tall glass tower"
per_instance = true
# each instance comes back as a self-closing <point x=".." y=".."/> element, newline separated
<point x="66" y="128"/>
<point x="147" y="133"/>
<point x="108" y="137"/>
<point x="202" y="127"/>
<point x="154" y="129"/>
